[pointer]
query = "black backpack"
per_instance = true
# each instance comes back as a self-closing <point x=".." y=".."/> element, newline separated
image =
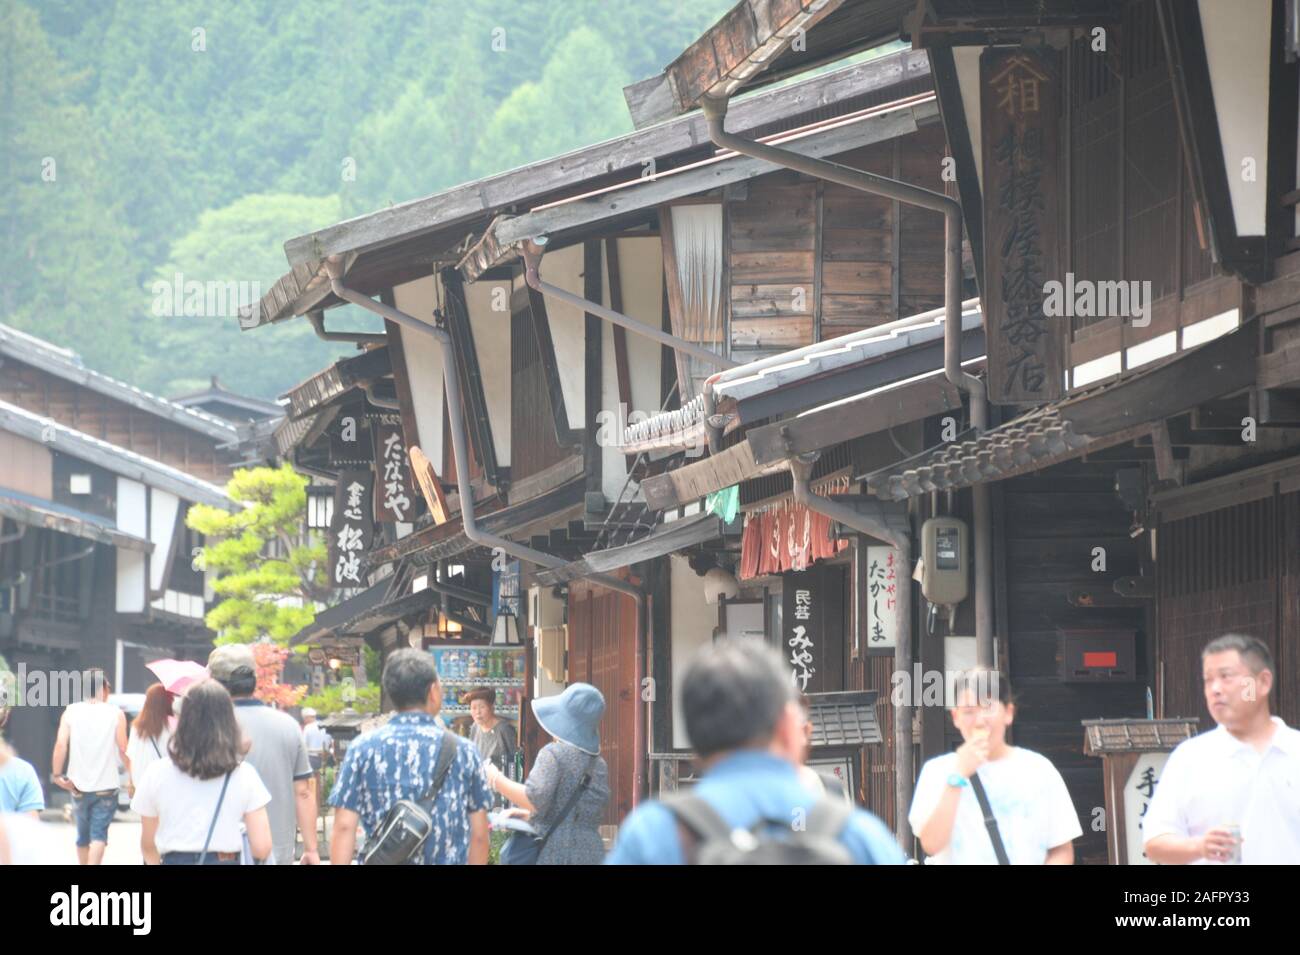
<point x="707" y="839"/>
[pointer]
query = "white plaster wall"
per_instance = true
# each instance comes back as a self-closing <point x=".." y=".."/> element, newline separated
<point x="641" y="271"/>
<point x="423" y="369"/>
<point x="692" y="622"/>
<point x="162" y="531"/>
<point x="1237" y="36"/>
<point x="132" y="518"/>
<point x="966" y="59"/>
<point x="492" y="342"/>
<point x="563" y="267"/>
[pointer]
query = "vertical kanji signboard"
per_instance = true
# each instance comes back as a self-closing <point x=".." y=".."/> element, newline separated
<point x="1020" y="106"/>
<point x="352" y="529"/>
<point x="394" y="488"/>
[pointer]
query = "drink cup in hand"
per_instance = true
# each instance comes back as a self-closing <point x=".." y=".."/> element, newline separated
<point x="1223" y="844"/>
<point x="972" y="754"/>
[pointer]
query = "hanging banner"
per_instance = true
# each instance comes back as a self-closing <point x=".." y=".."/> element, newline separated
<point x="349" y="436"/>
<point x="352" y="529"/>
<point x="395" y="494"/>
<point x="802" y="622"/>
<point x="1019" y="113"/>
<point x="785" y="537"/>
<point x="882" y="598"/>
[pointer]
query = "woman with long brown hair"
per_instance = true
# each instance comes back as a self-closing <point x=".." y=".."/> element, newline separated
<point x="151" y="731"/>
<point x="191" y="804"/>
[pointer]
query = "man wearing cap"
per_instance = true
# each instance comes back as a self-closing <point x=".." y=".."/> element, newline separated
<point x="278" y="753"/>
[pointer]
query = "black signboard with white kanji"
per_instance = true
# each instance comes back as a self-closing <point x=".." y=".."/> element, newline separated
<point x="352" y="529"/>
<point x="395" y="496"/>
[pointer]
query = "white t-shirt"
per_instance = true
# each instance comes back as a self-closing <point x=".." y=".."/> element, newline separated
<point x="1215" y="779"/>
<point x="184" y="806"/>
<point x="92" y="745"/>
<point x="1029" y="801"/>
<point x="143" y="753"/>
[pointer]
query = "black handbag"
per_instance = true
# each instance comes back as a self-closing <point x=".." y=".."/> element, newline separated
<point x="408" y="823"/>
<point x="990" y="822"/>
<point x="525" y="848"/>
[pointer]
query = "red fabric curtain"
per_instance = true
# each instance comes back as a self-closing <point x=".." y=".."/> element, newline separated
<point x="785" y="537"/>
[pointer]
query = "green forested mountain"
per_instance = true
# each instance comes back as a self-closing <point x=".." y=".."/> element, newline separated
<point x="139" y="142"/>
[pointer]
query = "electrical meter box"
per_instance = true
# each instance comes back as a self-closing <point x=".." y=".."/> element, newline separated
<point x="945" y="552"/>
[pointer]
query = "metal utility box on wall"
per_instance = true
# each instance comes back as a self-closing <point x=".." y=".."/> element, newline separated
<point x="1097" y="656"/>
<point x="945" y="551"/>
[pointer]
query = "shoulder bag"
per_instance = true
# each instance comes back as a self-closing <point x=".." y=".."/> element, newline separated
<point x="990" y="822"/>
<point x="408" y="823"/>
<point x="203" y="856"/>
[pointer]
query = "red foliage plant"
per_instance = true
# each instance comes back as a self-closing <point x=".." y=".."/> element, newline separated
<point x="270" y="664"/>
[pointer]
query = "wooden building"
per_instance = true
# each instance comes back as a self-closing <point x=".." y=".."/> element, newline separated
<point x="96" y="565"/>
<point x="730" y="257"/>
<point x="1127" y="173"/>
<point x="54" y="382"/>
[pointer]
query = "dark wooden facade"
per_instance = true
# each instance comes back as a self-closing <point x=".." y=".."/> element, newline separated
<point x="808" y="260"/>
<point x="109" y="419"/>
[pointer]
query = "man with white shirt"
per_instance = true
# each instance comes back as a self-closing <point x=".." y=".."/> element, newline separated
<point x="1245" y="773"/>
<point x="92" y="737"/>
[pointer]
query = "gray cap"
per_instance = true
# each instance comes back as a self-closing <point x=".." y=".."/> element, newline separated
<point x="226" y="659"/>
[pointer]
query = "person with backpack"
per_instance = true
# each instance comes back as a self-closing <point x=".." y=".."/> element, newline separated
<point x="750" y="806"/>
<point x="566" y="792"/>
<point x="417" y="788"/>
<point x="991" y="803"/>
<point x="193" y="802"/>
<point x="151" y="731"/>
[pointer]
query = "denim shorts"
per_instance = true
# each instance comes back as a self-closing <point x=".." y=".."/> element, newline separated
<point x="94" y="811"/>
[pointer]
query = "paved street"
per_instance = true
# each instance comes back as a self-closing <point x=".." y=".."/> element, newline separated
<point x="123" y="839"/>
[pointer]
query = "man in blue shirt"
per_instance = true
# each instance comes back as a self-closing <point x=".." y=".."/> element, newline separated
<point x="745" y="723"/>
<point x="396" y="761"/>
<point x="20" y="787"/>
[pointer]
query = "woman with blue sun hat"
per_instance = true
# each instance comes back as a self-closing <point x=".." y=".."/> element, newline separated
<point x="566" y="792"/>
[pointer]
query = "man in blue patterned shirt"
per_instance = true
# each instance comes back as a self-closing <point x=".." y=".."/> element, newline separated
<point x="396" y="761"/>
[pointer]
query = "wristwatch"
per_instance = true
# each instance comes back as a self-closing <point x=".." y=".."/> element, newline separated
<point x="957" y="780"/>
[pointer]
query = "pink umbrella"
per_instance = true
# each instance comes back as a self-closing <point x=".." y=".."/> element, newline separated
<point x="177" y="676"/>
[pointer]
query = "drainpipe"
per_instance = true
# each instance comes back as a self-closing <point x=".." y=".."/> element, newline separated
<point x="715" y="112"/>
<point x="898" y="536"/>
<point x="531" y="252"/>
<point x="317" y="320"/>
<point x="469" y="522"/>
<point x="368" y="389"/>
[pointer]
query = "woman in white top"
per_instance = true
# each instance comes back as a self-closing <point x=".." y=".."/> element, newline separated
<point x="195" y="799"/>
<point x="1036" y="821"/>
<point x="151" y="731"/>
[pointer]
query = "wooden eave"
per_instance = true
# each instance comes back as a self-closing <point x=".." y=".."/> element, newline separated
<point x="412" y="240"/>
